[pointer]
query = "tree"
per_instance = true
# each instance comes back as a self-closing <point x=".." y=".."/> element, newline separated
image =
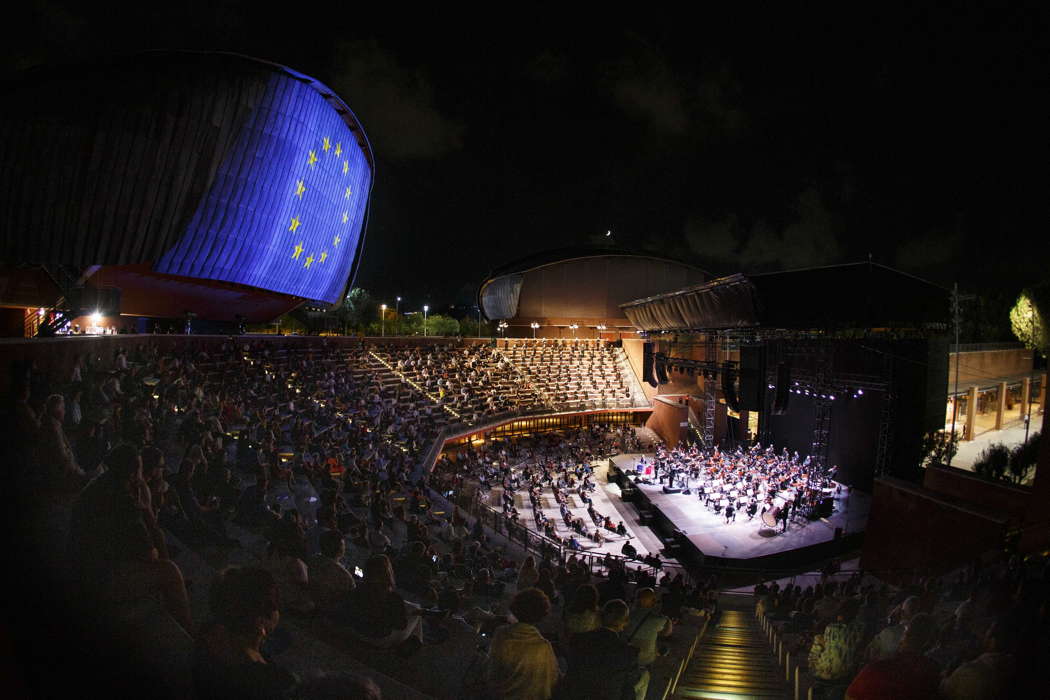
<point x="1023" y="458"/>
<point x="993" y="461"/>
<point x="358" y="310"/>
<point x="469" y="327"/>
<point x="938" y="447"/>
<point x="441" y="325"/>
<point x="1028" y="324"/>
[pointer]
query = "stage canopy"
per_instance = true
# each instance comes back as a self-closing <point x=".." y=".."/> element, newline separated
<point x="586" y="285"/>
<point x="858" y="295"/>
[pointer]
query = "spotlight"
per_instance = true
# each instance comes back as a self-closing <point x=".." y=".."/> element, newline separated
<point x="770" y="386"/>
<point x="860" y="392"/>
<point x="96" y="317"/>
<point x="832" y="397"/>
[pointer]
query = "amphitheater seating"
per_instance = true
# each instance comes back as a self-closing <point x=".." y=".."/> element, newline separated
<point x="346" y="396"/>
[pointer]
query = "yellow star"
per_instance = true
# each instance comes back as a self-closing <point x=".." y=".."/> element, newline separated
<point x="299" y="189"/>
<point x="339" y="149"/>
<point x="295" y="224"/>
<point x="324" y="254"/>
<point x="309" y="261"/>
<point x="345" y="217"/>
<point x="327" y="144"/>
<point x="347" y="193"/>
<point x="346" y="167"/>
<point x="335" y="241"/>
<point x="312" y="159"/>
<point x="298" y="251"/>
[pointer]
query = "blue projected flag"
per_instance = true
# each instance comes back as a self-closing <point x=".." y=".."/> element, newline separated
<point x="288" y="203"/>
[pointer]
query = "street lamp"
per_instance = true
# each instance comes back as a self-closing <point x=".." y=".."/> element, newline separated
<point x="574" y="327"/>
<point x="534" y="326"/>
<point x="502" y="328"/>
<point x="425" y="310"/>
<point x="397" y="312"/>
<point x="382" y="320"/>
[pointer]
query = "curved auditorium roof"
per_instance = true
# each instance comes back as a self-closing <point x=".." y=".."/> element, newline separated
<point x="205" y="165"/>
<point x="579" y="284"/>
<point x="848" y="296"/>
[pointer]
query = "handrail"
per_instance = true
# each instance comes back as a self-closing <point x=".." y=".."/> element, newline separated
<point x="542" y="545"/>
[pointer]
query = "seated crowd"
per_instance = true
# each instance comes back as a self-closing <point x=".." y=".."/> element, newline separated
<point x="979" y="633"/>
<point x="575" y="373"/>
<point x="556" y="464"/>
<point x="131" y="468"/>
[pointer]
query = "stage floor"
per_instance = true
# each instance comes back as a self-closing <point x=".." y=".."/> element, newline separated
<point x="744" y="539"/>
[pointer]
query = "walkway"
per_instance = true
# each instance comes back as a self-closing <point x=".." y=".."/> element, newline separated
<point x="734" y="659"/>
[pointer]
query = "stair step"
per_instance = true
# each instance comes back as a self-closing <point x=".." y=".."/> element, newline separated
<point x="737" y="666"/>
<point x="712" y="681"/>
<point x="707" y="694"/>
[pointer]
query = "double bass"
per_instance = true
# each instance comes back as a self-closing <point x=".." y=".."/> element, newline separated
<point x="771" y="516"/>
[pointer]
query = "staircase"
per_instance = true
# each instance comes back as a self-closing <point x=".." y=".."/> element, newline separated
<point x="734" y="660"/>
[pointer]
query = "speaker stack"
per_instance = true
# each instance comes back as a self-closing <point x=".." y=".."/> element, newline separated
<point x="729" y="388"/>
<point x="752" y="377"/>
<point x="783" y="390"/>
<point x="648" y="362"/>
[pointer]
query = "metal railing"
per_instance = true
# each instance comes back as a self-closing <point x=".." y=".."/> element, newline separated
<point x="984" y="347"/>
<point x="546" y="548"/>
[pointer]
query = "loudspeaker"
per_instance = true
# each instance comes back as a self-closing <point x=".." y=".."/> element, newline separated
<point x="661" y="372"/>
<point x="647" y="365"/>
<point x="729" y="388"/>
<point x="783" y="395"/>
<point x="752" y="378"/>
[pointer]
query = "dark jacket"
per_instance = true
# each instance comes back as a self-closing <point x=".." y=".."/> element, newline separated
<point x="601" y="666"/>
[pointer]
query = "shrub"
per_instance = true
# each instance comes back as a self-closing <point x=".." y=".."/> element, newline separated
<point x="993" y="461"/>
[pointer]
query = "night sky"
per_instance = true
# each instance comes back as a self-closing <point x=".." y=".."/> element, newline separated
<point x="738" y="143"/>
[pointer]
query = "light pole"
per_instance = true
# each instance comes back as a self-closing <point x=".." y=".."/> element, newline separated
<point x="502" y="328"/>
<point x="425" y="310"/>
<point x="534" y="326"/>
<point x="574" y="326"/>
<point x="1027" y="408"/>
<point x="397" y="312"/>
<point x="600" y="327"/>
<point x="382" y="320"/>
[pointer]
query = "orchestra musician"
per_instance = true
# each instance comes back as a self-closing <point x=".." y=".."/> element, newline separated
<point x="749" y="479"/>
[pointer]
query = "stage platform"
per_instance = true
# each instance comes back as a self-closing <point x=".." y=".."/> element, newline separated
<point x="747" y="542"/>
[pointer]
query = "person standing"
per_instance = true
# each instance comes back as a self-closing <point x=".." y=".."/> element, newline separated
<point x="646" y="625"/>
<point x="521" y="664"/>
<point x="601" y="664"/>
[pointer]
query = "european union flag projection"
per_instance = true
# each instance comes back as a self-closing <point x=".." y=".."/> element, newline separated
<point x="288" y="203"/>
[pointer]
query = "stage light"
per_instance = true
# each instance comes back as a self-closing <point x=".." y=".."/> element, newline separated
<point x="860" y="392"/>
<point x="832" y="397"/>
<point x="96" y="317"/>
<point x="770" y="386"/>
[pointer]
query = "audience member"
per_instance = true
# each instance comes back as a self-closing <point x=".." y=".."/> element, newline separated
<point x="601" y="664"/>
<point x="522" y="665"/>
